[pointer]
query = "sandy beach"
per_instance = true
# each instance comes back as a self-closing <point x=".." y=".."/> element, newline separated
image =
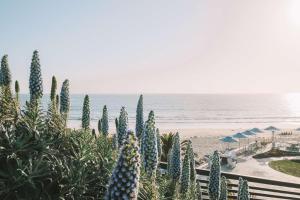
<point x="205" y="141"/>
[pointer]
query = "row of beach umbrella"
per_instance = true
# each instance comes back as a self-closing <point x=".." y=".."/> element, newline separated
<point x="246" y="134"/>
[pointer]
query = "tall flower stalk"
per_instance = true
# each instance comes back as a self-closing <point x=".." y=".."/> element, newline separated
<point x="5" y="76"/>
<point x="243" y="193"/>
<point x="35" y="79"/>
<point x="149" y="146"/>
<point x="53" y="89"/>
<point x="85" y="121"/>
<point x="124" y="181"/>
<point x="104" y="121"/>
<point x="224" y="192"/>
<point x="5" y="72"/>
<point x="17" y="90"/>
<point x="122" y="126"/>
<point x="64" y="99"/>
<point x="99" y="126"/>
<point x="214" y="177"/>
<point x="185" y="175"/>
<point x="159" y="148"/>
<point x="191" y="154"/>
<point x="139" y="118"/>
<point x="175" y="160"/>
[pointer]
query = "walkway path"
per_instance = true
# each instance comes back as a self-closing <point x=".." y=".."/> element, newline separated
<point x="260" y="168"/>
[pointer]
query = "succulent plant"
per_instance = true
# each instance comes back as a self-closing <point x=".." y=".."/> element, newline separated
<point x="149" y="146"/>
<point x="35" y="79"/>
<point x="114" y="141"/>
<point x="53" y="89"/>
<point x="243" y="193"/>
<point x="139" y="118"/>
<point x="175" y="165"/>
<point x="214" y="177"/>
<point x="124" y="181"/>
<point x="117" y="124"/>
<point x="5" y="72"/>
<point x="86" y="113"/>
<point x="99" y="126"/>
<point x="65" y="98"/>
<point x="104" y="121"/>
<point x="57" y="102"/>
<point x="190" y="151"/>
<point x="17" y="90"/>
<point x="169" y="160"/>
<point x="240" y="186"/>
<point x="185" y="179"/>
<point x="223" y="193"/>
<point x="122" y="126"/>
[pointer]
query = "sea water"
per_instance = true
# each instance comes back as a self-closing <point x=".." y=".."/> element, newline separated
<point x="193" y="111"/>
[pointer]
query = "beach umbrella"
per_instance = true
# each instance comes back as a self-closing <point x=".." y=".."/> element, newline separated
<point x="239" y="136"/>
<point x="228" y="140"/>
<point x="249" y="133"/>
<point x="256" y="130"/>
<point x="273" y="129"/>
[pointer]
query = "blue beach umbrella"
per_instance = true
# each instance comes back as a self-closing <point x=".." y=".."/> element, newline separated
<point x="228" y="140"/>
<point x="249" y="133"/>
<point x="239" y="136"/>
<point x="272" y="128"/>
<point x="256" y="130"/>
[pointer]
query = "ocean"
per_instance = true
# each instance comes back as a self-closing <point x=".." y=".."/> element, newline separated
<point x="194" y="111"/>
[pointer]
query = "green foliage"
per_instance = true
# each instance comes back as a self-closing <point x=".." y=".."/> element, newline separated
<point x="35" y="79"/>
<point x="148" y="188"/>
<point x="104" y="121"/>
<point x="53" y="89"/>
<point x="9" y="109"/>
<point x="139" y="118"/>
<point x="85" y="121"/>
<point x="42" y="159"/>
<point x="167" y="142"/>
<point x="214" y="177"/>
<point x="39" y="161"/>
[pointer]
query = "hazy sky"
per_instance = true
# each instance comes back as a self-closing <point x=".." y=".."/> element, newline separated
<point x="169" y="46"/>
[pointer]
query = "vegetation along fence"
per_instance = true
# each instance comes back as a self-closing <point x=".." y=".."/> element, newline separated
<point x="260" y="188"/>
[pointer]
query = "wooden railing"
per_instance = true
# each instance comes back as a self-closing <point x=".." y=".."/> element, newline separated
<point x="260" y="188"/>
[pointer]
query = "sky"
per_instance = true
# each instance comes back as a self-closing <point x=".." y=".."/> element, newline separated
<point x="169" y="46"/>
